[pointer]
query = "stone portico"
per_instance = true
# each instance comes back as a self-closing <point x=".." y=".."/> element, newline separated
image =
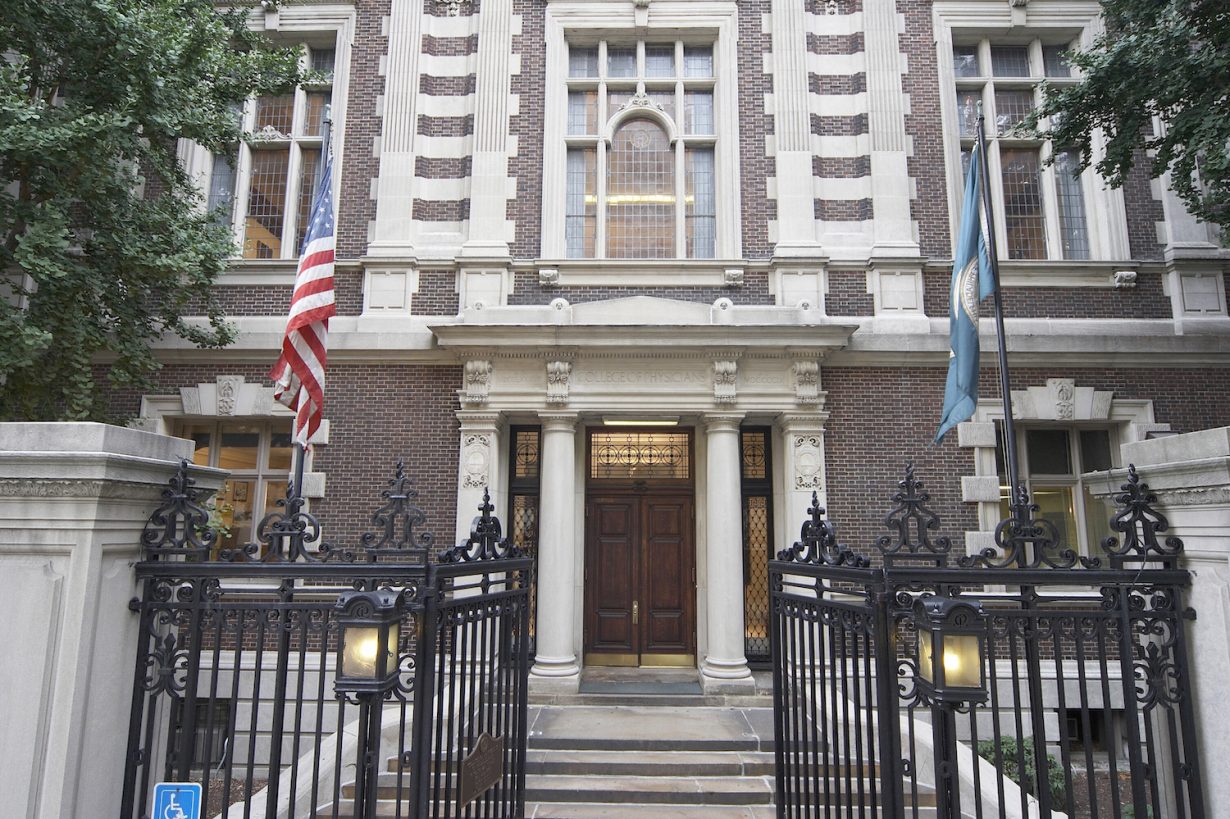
<point x="703" y="369"/>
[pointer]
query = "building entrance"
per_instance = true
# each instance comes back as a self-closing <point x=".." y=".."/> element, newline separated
<point x="640" y="550"/>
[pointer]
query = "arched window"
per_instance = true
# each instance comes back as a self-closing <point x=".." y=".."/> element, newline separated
<point x="640" y="193"/>
<point x="641" y="146"/>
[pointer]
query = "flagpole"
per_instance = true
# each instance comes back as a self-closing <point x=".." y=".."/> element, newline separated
<point x="1014" y="481"/>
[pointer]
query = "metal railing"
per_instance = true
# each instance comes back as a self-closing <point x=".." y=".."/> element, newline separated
<point x="242" y="648"/>
<point x="1078" y="701"/>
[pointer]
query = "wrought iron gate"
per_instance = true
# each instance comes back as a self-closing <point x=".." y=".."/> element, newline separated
<point x="1078" y="701"/>
<point x="236" y="682"/>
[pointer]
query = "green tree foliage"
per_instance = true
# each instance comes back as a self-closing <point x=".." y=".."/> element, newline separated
<point x="104" y="244"/>
<point x="1168" y="59"/>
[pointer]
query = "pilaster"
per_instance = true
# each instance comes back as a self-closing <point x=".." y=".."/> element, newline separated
<point x="802" y="446"/>
<point x="490" y="184"/>
<point x="393" y="231"/>
<point x="890" y="177"/>
<point x="477" y="466"/>
<point x="796" y="222"/>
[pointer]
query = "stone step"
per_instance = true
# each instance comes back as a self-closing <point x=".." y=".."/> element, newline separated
<point x="644" y="790"/>
<point x="647" y="728"/>
<point x="653" y="700"/>
<point x="649" y="763"/>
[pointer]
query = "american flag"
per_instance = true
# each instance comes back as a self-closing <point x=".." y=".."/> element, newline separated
<point x="300" y="371"/>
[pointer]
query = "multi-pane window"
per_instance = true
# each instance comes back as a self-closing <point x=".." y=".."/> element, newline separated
<point x="266" y="189"/>
<point x="1041" y="209"/>
<point x="258" y="456"/>
<point x="756" y="482"/>
<point x="524" y="485"/>
<point x="1052" y="460"/>
<point x="641" y="137"/>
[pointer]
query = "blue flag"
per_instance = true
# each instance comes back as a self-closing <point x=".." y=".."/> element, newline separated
<point x="972" y="281"/>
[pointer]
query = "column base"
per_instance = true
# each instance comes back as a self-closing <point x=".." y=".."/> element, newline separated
<point x="733" y="676"/>
<point x="555" y="667"/>
<point x="553" y="678"/>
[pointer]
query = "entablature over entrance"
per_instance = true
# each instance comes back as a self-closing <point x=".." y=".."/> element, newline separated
<point x="641" y="354"/>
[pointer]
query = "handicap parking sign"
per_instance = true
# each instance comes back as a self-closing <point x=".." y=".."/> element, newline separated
<point x="177" y="800"/>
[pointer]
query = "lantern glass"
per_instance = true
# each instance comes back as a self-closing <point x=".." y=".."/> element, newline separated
<point x="962" y="661"/>
<point x="361" y="651"/>
<point x="926" y="656"/>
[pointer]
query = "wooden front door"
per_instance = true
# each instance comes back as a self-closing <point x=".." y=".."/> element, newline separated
<point x="640" y="586"/>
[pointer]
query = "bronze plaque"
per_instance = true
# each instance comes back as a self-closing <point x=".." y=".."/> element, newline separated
<point x="481" y="769"/>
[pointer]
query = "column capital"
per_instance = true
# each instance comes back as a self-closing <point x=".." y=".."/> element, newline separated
<point x="471" y="419"/>
<point x="722" y="421"/>
<point x="802" y="421"/>
<point x="558" y="421"/>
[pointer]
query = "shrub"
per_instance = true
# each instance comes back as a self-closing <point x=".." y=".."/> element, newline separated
<point x="1012" y="752"/>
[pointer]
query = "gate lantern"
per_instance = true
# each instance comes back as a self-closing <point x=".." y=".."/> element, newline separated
<point x="369" y="623"/>
<point x="952" y="647"/>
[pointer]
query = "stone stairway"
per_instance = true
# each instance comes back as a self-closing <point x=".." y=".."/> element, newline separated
<point x="644" y="756"/>
<point x="627" y="751"/>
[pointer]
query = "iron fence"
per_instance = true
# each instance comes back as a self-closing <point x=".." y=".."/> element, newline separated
<point x="1082" y="703"/>
<point x="235" y="685"/>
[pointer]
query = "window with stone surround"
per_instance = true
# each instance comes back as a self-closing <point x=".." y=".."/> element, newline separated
<point x="265" y="190"/>
<point x="640" y="158"/>
<point x="1042" y="209"/>
<point x="998" y="55"/>
<point x="258" y="454"/>
<point x="640" y="138"/>
<point x="1052" y="460"/>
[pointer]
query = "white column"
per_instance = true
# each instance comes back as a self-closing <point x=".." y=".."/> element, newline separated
<point x="724" y="663"/>
<point x="477" y="467"/>
<point x="557" y="552"/>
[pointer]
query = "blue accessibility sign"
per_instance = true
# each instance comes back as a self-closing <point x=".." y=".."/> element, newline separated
<point x="176" y="800"/>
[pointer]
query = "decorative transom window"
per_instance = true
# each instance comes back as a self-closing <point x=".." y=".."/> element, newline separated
<point x="266" y="190"/>
<point x="641" y="139"/>
<point x="1042" y="210"/>
<point x="258" y="456"/>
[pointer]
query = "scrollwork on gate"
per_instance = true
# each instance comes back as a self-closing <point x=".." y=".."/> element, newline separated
<point x="486" y="540"/>
<point x="396" y="520"/>
<point x="1140" y="524"/>
<point x="912" y="523"/>
<point x="818" y="544"/>
<point x="180" y="526"/>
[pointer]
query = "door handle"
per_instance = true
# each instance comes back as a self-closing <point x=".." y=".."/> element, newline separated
<point x="636" y="612"/>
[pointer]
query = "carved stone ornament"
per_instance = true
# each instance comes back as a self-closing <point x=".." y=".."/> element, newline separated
<point x="641" y="100"/>
<point x="228" y="393"/>
<point x="732" y="277"/>
<point x="558" y="373"/>
<point x="832" y="7"/>
<point x="1063" y="392"/>
<point x="1125" y="279"/>
<point x="806" y="382"/>
<point x="807" y="461"/>
<point x="475" y="460"/>
<point x="76" y="488"/>
<point x="454" y="8"/>
<point x="725" y="373"/>
<point x="268" y="134"/>
<point x="548" y="277"/>
<point x="477" y="381"/>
